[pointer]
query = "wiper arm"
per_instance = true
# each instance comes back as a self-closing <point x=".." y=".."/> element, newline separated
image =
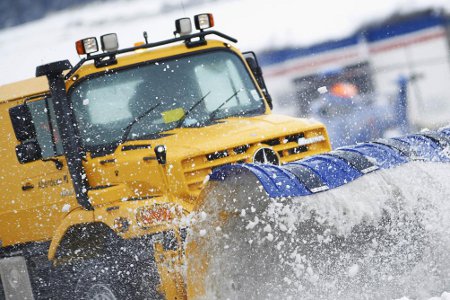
<point x="129" y="126"/>
<point x="180" y="121"/>
<point x="214" y="112"/>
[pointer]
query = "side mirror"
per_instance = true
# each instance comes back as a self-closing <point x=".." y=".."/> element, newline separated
<point x="252" y="62"/>
<point x="22" y="122"/>
<point x="28" y="152"/>
<point x="256" y="69"/>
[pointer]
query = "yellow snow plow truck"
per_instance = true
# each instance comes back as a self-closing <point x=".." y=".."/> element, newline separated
<point x="102" y="162"/>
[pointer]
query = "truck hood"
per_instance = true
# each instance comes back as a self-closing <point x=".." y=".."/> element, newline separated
<point x="234" y="131"/>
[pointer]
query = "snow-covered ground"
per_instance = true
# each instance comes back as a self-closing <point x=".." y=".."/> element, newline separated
<point x="257" y="24"/>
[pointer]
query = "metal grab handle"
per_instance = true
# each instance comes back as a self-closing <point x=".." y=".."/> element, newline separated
<point x="27" y="186"/>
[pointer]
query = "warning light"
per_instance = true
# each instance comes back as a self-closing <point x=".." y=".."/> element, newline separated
<point x="87" y="46"/>
<point x="204" y="21"/>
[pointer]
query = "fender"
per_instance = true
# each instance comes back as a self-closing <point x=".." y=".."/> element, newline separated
<point x="108" y="215"/>
<point x="78" y="216"/>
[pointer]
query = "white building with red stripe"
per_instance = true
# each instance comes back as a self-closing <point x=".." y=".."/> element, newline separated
<point x="416" y="46"/>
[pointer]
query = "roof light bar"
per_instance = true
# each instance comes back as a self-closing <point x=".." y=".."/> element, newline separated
<point x="87" y="46"/>
<point x="109" y="42"/>
<point x="183" y="26"/>
<point x="200" y="35"/>
<point x="203" y="21"/>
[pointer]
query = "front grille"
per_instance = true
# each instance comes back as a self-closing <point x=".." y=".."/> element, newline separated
<point x="294" y="137"/>
<point x="217" y="155"/>
<point x="297" y="150"/>
<point x="196" y="169"/>
<point x="272" y="142"/>
<point x="241" y="149"/>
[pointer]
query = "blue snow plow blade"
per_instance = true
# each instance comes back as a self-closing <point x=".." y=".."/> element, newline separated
<point x="333" y="169"/>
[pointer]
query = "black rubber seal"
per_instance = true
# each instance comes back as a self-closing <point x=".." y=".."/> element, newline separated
<point x="355" y="160"/>
<point x="307" y="177"/>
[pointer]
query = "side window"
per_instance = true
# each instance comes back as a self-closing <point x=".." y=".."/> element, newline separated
<point x="56" y="136"/>
<point x="47" y="131"/>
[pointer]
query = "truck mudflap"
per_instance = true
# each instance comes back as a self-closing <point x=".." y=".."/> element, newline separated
<point x="369" y="219"/>
<point x="15" y="279"/>
<point x="169" y="258"/>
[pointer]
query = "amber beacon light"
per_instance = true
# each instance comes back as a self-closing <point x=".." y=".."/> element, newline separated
<point x="87" y="46"/>
<point x="203" y="21"/>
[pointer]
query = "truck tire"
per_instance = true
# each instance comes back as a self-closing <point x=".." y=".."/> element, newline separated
<point x="100" y="281"/>
<point x="100" y="291"/>
<point x="113" y="279"/>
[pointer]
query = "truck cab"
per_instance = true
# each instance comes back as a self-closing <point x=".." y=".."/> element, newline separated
<point x="112" y="153"/>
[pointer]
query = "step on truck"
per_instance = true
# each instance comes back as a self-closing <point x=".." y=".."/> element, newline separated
<point x="103" y="161"/>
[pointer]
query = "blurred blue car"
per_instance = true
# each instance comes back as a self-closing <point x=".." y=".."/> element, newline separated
<point x="352" y="118"/>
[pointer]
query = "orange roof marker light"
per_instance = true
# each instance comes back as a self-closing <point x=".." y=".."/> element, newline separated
<point x="203" y="21"/>
<point x="86" y="46"/>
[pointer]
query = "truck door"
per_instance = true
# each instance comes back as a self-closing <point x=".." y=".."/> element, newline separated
<point x="44" y="192"/>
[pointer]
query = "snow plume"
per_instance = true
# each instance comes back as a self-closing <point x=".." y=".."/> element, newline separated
<point x="383" y="236"/>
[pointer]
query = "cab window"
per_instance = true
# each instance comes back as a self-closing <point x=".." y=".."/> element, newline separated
<point x="47" y="133"/>
<point x="145" y="100"/>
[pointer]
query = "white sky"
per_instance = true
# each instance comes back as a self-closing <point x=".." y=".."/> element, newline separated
<point x="257" y="24"/>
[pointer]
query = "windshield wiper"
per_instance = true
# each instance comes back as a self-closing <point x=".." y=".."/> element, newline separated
<point x="137" y="119"/>
<point x="214" y="112"/>
<point x="180" y="121"/>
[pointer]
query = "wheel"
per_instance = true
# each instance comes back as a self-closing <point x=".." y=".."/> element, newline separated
<point x="100" y="281"/>
<point x="106" y="267"/>
<point x="115" y="279"/>
<point x="101" y="291"/>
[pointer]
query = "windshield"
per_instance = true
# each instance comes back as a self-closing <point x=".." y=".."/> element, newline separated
<point x="148" y="99"/>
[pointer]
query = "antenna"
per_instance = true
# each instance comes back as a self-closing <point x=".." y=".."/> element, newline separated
<point x="182" y="6"/>
<point x="146" y="37"/>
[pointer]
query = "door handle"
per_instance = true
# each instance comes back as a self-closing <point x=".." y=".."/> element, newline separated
<point x="27" y="186"/>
